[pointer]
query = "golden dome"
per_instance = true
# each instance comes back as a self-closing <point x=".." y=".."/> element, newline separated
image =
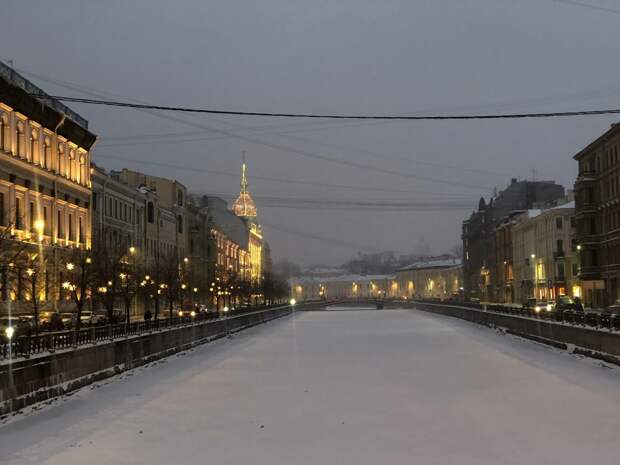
<point x="244" y="206"/>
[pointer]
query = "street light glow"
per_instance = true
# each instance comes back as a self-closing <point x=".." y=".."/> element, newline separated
<point x="132" y="250"/>
<point x="9" y="331"/>
<point x="70" y="266"/>
<point x="293" y="301"/>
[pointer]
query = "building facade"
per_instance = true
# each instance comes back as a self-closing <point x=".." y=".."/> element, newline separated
<point x="597" y="214"/>
<point x="439" y="278"/>
<point x="118" y="212"/>
<point x="546" y="262"/>
<point x="166" y="218"/>
<point x="45" y="185"/>
<point x="480" y="272"/>
<point x="344" y="286"/>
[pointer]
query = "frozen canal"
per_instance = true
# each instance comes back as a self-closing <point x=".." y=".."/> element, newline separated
<point x="333" y="388"/>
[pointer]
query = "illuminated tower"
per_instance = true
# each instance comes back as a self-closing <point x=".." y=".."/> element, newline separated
<point x="244" y="207"/>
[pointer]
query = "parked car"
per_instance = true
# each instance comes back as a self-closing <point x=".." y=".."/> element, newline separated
<point x="539" y="305"/>
<point x="613" y="308"/>
<point x="91" y="318"/>
<point x="565" y="302"/>
<point x="67" y="319"/>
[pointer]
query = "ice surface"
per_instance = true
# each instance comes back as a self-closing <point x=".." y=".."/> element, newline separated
<point x="369" y="387"/>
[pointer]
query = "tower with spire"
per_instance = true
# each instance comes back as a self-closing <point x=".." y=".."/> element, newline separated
<point x="244" y="206"/>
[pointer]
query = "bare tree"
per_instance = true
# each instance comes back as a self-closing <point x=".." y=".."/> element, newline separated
<point x="81" y="277"/>
<point x="170" y="279"/>
<point x="31" y="270"/>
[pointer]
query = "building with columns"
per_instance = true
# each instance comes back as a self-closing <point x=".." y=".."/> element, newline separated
<point x="45" y="185"/>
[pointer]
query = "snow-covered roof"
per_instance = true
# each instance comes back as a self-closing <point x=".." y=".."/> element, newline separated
<point x="429" y="264"/>
<point x="566" y="205"/>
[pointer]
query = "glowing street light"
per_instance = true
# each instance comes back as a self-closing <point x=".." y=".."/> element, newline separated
<point x="293" y="302"/>
<point x="9" y="331"/>
<point x="70" y="266"/>
<point x="132" y="250"/>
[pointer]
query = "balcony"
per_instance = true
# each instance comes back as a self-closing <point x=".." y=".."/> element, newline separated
<point x="559" y="255"/>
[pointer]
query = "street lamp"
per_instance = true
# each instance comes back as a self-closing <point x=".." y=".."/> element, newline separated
<point x="9" y="332"/>
<point x="70" y="266"/>
<point x="293" y="302"/>
<point x="132" y="250"/>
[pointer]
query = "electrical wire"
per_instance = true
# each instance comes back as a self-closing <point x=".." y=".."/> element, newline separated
<point x="117" y="103"/>
<point x="195" y="169"/>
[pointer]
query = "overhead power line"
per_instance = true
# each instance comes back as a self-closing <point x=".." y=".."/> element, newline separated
<point x="116" y="103"/>
<point x="253" y="140"/>
<point x="590" y="6"/>
<point x="359" y="187"/>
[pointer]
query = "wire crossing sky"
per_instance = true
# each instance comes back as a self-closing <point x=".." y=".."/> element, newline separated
<point x="113" y="103"/>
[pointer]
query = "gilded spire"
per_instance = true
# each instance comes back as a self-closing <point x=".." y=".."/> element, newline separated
<point x="244" y="206"/>
<point x="244" y="179"/>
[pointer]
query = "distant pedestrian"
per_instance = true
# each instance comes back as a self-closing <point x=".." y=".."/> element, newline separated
<point x="578" y="305"/>
<point x="148" y="315"/>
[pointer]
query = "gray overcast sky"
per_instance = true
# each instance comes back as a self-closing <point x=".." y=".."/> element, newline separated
<point x="345" y="56"/>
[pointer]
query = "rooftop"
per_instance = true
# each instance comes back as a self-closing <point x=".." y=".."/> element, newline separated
<point x="16" y="79"/>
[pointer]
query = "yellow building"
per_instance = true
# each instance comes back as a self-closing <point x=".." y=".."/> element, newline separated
<point x="45" y="186"/>
<point x="343" y="286"/>
<point x="245" y="208"/>
<point x="436" y="279"/>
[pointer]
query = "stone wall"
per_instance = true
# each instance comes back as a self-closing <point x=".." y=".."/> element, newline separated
<point x="44" y="376"/>
<point x="597" y="341"/>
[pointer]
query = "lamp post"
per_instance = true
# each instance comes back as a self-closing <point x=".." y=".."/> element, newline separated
<point x="534" y="276"/>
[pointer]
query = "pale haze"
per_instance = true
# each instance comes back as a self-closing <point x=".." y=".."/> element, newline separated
<point x="352" y="57"/>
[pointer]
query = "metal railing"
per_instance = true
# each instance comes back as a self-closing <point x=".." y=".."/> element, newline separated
<point x="594" y="320"/>
<point x="49" y="342"/>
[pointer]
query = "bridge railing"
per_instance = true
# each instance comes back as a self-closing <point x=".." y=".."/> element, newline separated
<point x="28" y="345"/>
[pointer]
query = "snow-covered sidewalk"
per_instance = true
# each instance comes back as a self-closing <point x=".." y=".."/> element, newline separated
<point x="370" y="387"/>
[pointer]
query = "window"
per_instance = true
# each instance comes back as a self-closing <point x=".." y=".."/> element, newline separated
<point x="18" y="213"/>
<point x="180" y="224"/>
<point x="46" y="162"/>
<point x="20" y="141"/>
<point x="558" y="222"/>
<point x="46" y="222"/>
<point x="32" y="217"/>
<point x="61" y="162"/>
<point x="81" y="230"/>
<point x="71" y="228"/>
<point x="2" y="218"/>
<point x="180" y="197"/>
<point x="150" y="212"/>
<point x="560" y="247"/>
<point x="125" y="212"/>
<point x="575" y="269"/>
<point x="59" y="225"/>
<point x="34" y="146"/>
<point x="4" y="132"/>
<point x="561" y="276"/>
<point x="115" y="208"/>
<point x="94" y="201"/>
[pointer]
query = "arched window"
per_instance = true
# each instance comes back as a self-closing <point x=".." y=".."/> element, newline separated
<point x="180" y="224"/>
<point x="34" y="146"/>
<point x="20" y="141"/>
<point x="61" y="164"/>
<point x="150" y="212"/>
<point x="72" y="165"/>
<point x="47" y="153"/>
<point x="4" y="131"/>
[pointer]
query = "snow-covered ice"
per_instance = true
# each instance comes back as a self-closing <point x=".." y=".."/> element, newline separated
<point x="369" y="387"/>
